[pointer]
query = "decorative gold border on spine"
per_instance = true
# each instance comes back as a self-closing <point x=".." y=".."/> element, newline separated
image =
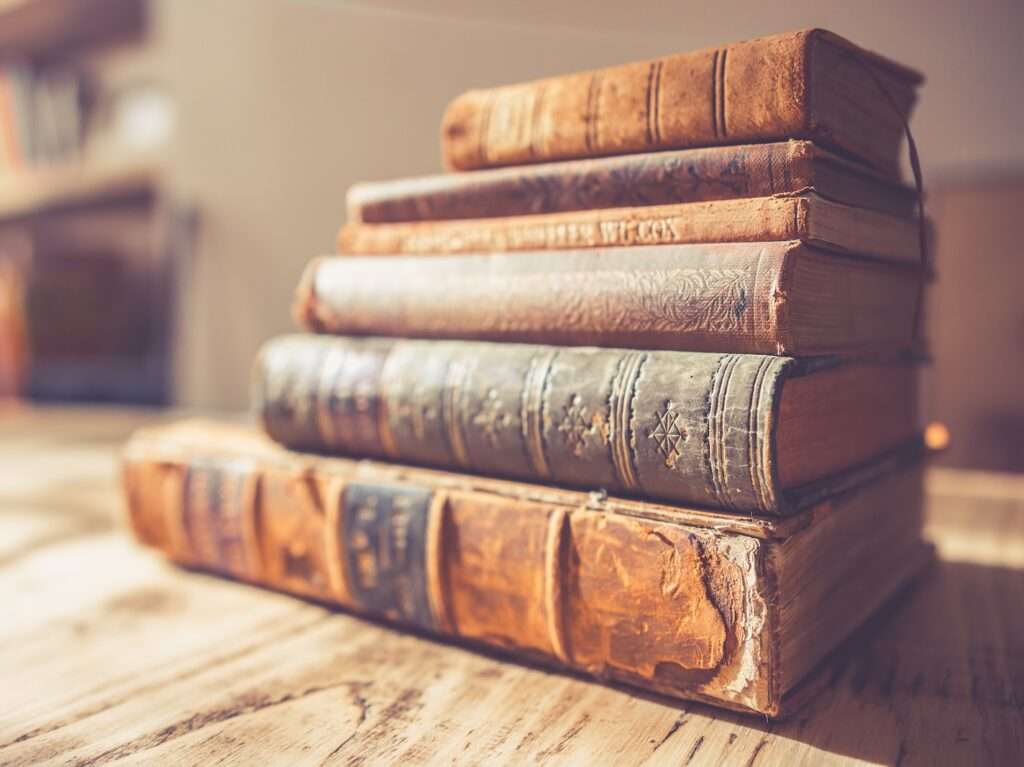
<point x="437" y="586"/>
<point x="759" y="448"/>
<point x="620" y="412"/>
<point x="331" y="365"/>
<point x="531" y="417"/>
<point x="454" y="387"/>
<point x="385" y="434"/>
<point x="717" y="412"/>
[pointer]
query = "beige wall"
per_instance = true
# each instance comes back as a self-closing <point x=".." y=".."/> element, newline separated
<point x="284" y="103"/>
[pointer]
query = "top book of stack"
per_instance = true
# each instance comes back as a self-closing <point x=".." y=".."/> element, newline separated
<point x="806" y="85"/>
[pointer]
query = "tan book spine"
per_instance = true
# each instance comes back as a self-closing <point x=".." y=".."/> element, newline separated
<point x="804" y="217"/>
<point x="810" y="84"/>
<point x="732" y="94"/>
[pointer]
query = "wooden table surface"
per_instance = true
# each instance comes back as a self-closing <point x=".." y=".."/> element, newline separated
<point x="108" y="655"/>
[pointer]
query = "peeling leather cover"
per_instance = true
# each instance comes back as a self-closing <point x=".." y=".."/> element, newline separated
<point x="677" y="608"/>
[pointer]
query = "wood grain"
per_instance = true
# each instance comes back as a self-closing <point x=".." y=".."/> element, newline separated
<point x="108" y="655"/>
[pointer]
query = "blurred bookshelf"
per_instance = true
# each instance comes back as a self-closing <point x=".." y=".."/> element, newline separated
<point x="90" y="238"/>
<point x="36" y="28"/>
<point x="77" y="183"/>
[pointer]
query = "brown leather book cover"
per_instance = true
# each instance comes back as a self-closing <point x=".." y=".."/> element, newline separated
<point x="683" y="602"/>
<point x="808" y="85"/>
<point x="805" y="217"/>
<point x="636" y="180"/>
<point x="748" y="433"/>
<point x="771" y="298"/>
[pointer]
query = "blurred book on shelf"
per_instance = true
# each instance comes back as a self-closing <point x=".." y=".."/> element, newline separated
<point x="41" y="117"/>
<point x="13" y="333"/>
<point x="88" y="231"/>
<point x="83" y="308"/>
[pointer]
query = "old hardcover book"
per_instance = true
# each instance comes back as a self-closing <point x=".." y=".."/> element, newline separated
<point x="771" y="298"/>
<point x="724" y="609"/>
<point x="804" y="217"/>
<point x="808" y="85"/>
<point x="750" y="433"/>
<point x="636" y="180"/>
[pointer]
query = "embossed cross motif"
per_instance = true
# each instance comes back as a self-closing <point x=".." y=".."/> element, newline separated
<point x="419" y="411"/>
<point x="669" y="435"/>
<point x="574" y="426"/>
<point x="492" y="418"/>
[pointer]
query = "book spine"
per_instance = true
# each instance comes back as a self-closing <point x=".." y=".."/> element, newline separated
<point x="659" y="178"/>
<point x="10" y="156"/>
<point x="682" y="427"/>
<point x="753" y="220"/>
<point x="728" y="297"/>
<point x="742" y="93"/>
<point x="668" y="607"/>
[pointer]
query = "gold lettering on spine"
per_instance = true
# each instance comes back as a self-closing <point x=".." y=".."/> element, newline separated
<point x="620" y="407"/>
<point x="451" y="409"/>
<point x="434" y="562"/>
<point x="556" y="549"/>
<point x="531" y="417"/>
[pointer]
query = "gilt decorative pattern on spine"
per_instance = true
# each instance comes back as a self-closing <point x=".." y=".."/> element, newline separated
<point x="688" y="427"/>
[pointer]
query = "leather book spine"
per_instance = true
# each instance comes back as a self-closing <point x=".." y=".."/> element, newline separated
<point x="761" y="219"/>
<point x="806" y="85"/>
<point x="657" y="178"/>
<point x="674" y="608"/>
<point x="719" y="297"/>
<point x="741" y="93"/>
<point x="693" y="428"/>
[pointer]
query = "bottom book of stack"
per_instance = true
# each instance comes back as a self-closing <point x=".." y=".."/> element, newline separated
<point x="725" y="608"/>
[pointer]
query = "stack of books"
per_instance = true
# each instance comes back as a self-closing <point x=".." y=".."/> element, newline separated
<point x="640" y="403"/>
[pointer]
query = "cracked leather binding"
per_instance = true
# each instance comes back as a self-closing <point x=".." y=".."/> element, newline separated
<point x="768" y="298"/>
<point x="678" y="601"/>
<point x="637" y="180"/>
<point x="692" y="428"/>
<point x="809" y="85"/>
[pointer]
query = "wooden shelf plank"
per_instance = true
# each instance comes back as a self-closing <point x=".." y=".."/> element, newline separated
<point x="37" y="191"/>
